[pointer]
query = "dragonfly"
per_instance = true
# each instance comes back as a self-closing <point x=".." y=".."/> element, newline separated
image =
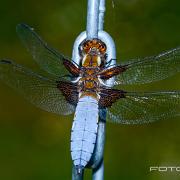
<point x="81" y="89"/>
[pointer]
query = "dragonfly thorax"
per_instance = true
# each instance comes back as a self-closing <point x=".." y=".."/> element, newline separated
<point x="89" y="82"/>
<point x="90" y="60"/>
<point x="93" y="57"/>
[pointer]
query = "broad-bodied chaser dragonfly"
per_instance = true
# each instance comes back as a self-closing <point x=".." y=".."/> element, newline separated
<point x="81" y="88"/>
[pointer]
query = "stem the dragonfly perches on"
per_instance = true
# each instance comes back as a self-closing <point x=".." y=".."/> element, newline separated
<point x="94" y="29"/>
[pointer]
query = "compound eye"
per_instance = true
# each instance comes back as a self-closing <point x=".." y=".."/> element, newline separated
<point x="86" y="47"/>
<point x="103" y="48"/>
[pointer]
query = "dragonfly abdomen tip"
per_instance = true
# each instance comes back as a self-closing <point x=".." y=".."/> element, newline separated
<point x="79" y="169"/>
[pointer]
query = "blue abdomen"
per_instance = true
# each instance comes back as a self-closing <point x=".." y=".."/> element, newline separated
<point x="84" y="131"/>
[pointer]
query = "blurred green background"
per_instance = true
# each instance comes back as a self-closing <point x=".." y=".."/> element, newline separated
<point x="35" y="145"/>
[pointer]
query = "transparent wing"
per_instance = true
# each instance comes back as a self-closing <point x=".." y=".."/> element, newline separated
<point x="49" y="59"/>
<point x="150" y="69"/>
<point x="139" y="108"/>
<point x="39" y="90"/>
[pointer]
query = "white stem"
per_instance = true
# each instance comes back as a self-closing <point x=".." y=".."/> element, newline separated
<point x="92" y="19"/>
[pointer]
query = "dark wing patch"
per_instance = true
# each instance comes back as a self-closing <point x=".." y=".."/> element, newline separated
<point x="72" y="68"/>
<point x="109" y="96"/>
<point x="114" y="71"/>
<point x="69" y="91"/>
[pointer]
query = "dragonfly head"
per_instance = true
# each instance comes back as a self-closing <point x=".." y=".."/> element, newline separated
<point x="93" y="50"/>
<point x="92" y="46"/>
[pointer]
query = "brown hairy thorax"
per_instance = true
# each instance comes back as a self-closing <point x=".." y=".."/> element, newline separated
<point x="92" y="72"/>
<point x="92" y="57"/>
